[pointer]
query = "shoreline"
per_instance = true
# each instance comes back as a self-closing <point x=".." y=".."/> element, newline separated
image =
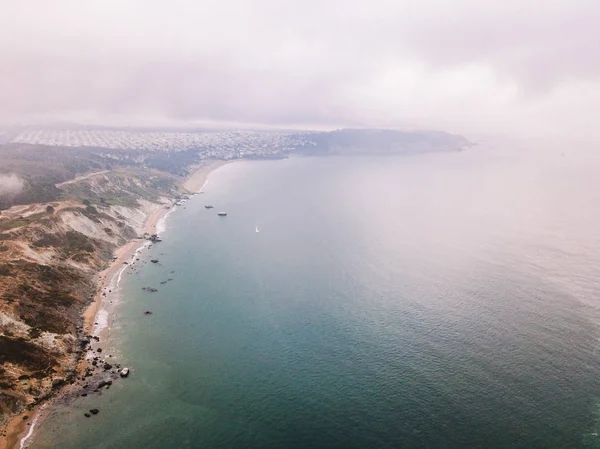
<point x="97" y="316"/>
<point x="197" y="181"/>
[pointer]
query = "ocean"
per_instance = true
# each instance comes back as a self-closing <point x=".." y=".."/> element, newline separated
<point x="434" y="301"/>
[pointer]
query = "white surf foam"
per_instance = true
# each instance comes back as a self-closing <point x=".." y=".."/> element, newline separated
<point x="31" y="429"/>
<point x="161" y="225"/>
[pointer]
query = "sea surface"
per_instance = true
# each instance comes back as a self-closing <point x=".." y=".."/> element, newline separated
<point x="435" y="301"/>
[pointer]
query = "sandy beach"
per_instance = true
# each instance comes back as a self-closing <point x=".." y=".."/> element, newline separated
<point x="97" y="315"/>
<point x="18" y="430"/>
<point x="197" y="180"/>
<point x="122" y="254"/>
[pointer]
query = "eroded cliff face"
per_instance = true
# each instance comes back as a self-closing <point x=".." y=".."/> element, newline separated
<point x="49" y="257"/>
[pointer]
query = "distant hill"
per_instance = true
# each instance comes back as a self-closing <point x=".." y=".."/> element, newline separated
<point x="44" y="158"/>
<point x="384" y="141"/>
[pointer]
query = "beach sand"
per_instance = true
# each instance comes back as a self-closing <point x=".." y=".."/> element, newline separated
<point x="18" y="431"/>
<point x="197" y="180"/>
<point x="122" y="254"/>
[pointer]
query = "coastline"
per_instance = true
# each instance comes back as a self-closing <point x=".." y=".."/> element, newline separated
<point x="196" y="182"/>
<point x="109" y="278"/>
<point x="18" y="432"/>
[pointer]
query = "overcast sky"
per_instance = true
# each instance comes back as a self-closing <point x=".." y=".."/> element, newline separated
<point x="461" y="65"/>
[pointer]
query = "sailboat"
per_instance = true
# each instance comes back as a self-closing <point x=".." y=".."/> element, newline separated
<point x="257" y="230"/>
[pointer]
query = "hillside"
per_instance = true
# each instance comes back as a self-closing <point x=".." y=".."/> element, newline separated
<point x="40" y="168"/>
<point x="50" y="254"/>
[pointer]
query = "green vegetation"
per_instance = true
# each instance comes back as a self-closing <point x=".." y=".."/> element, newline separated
<point x="45" y="296"/>
<point x="122" y="187"/>
<point x="81" y="257"/>
<point x="34" y="332"/>
<point x="5" y="225"/>
<point x="41" y="167"/>
<point x="76" y="241"/>
<point x="47" y="222"/>
<point x="5" y="269"/>
<point x="172" y="162"/>
<point x="22" y="352"/>
<point x="54" y="277"/>
<point x="48" y="240"/>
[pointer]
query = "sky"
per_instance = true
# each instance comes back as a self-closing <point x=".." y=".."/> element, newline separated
<point x="465" y="66"/>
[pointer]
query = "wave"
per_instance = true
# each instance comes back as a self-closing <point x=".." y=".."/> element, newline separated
<point x="101" y="320"/>
<point x="161" y="225"/>
<point x="31" y="428"/>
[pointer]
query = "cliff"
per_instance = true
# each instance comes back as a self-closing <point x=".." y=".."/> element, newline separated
<point x="49" y="256"/>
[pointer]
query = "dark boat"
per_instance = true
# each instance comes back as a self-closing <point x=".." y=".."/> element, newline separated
<point x="208" y="207"/>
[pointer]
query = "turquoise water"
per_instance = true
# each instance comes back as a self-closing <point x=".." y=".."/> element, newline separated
<point x="439" y="301"/>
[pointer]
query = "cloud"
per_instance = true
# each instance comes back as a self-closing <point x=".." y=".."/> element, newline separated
<point x="10" y="183"/>
<point x="463" y="65"/>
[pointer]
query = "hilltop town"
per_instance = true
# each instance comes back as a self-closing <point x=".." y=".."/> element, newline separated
<point x="209" y="145"/>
